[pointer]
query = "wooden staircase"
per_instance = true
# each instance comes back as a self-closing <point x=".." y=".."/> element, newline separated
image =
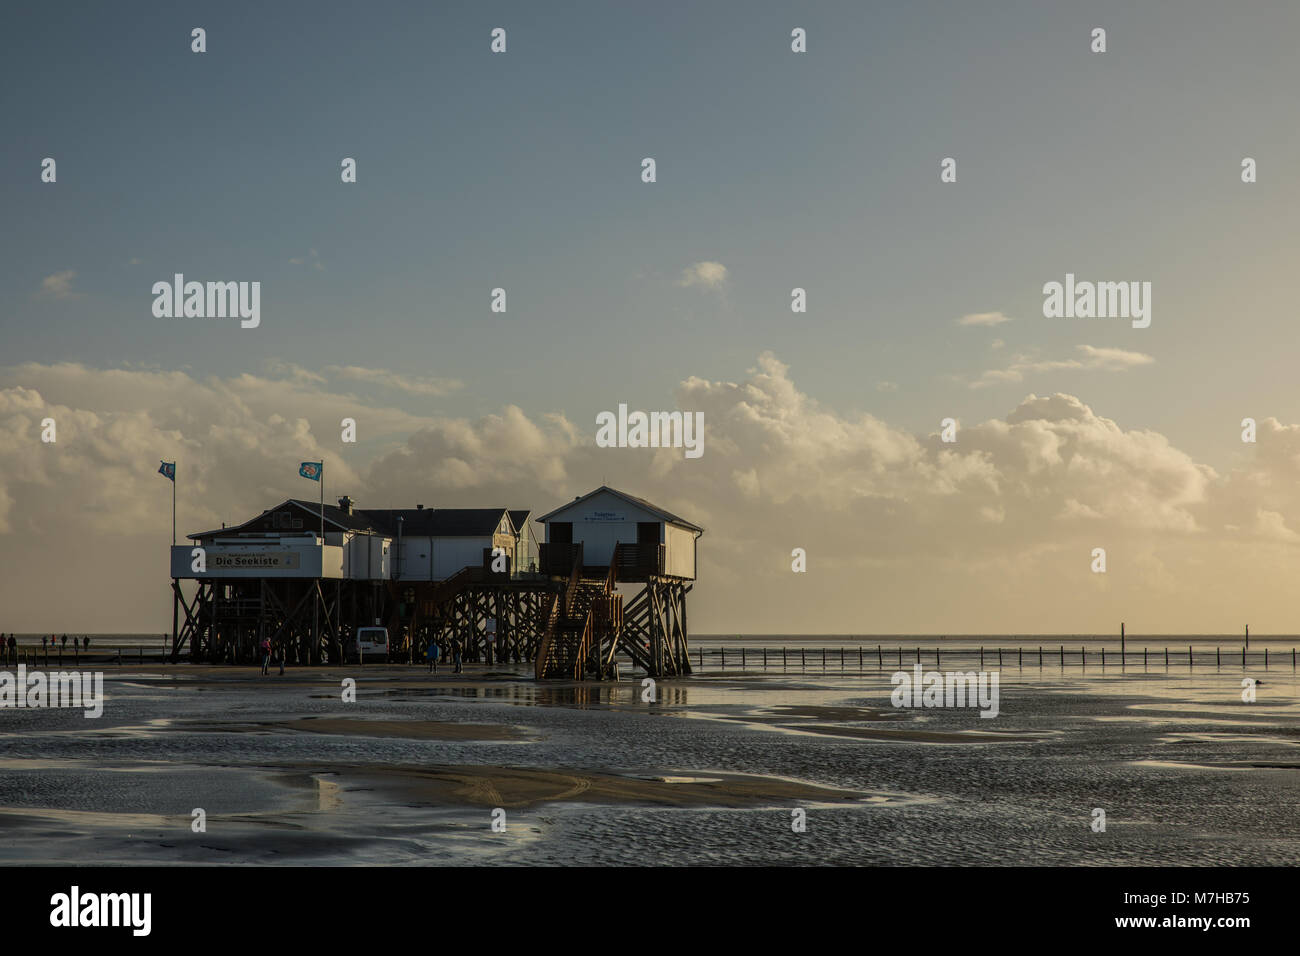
<point x="582" y="631"/>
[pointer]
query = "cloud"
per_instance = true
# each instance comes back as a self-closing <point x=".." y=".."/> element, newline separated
<point x="404" y="383"/>
<point x="58" y="286"/>
<point x="313" y="260"/>
<point x="984" y="318"/>
<point x="707" y="275"/>
<point x="886" y="386"/>
<point x="1097" y="359"/>
<point x="906" y="533"/>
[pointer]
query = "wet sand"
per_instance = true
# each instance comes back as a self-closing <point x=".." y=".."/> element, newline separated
<point x="405" y="729"/>
<point x="288" y="771"/>
<point x="494" y="786"/>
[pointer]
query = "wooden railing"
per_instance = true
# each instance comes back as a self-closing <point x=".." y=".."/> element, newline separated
<point x="641" y="558"/>
<point x="445" y="589"/>
<point x="564" y="601"/>
<point x="615" y="608"/>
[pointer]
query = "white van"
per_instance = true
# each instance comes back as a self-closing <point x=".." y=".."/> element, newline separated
<point x="372" y="643"/>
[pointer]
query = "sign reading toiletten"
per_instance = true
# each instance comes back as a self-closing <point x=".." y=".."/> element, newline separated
<point x="606" y="516"/>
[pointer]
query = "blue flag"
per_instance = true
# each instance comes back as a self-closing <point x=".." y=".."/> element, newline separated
<point x="167" y="469"/>
<point x="311" y="469"/>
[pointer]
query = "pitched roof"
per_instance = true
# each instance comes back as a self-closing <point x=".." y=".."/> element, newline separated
<point x="519" y="517"/>
<point x="437" y="522"/>
<point x="335" y="515"/>
<point x="639" y="502"/>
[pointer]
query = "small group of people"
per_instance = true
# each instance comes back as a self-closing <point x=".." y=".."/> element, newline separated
<point x="52" y="642"/>
<point x="9" y="649"/>
<point x="433" y="653"/>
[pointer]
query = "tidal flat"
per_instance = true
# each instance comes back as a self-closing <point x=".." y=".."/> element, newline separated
<point x="490" y="767"/>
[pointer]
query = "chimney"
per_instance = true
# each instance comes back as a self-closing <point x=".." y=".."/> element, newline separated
<point x="345" y="505"/>
<point x="419" y="507"/>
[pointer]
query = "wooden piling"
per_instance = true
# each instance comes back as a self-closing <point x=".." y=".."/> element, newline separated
<point x="880" y="657"/>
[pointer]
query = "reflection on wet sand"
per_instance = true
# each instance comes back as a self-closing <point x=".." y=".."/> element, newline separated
<point x="707" y="773"/>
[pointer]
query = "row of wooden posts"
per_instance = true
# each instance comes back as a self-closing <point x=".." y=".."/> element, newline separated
<point x="761" y="655"/>
<point x="31" y="657"/>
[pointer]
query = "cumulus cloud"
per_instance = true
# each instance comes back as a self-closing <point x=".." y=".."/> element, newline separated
<point x="906" y="532"/>
<point x="706" y="275"/>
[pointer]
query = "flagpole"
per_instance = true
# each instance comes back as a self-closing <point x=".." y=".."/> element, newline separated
<point x="316" y="598"/>
<point x="173" y="510"/>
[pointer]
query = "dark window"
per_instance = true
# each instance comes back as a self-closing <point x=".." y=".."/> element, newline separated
<point x="561" y="532"/>
<point x="647" y="532"/>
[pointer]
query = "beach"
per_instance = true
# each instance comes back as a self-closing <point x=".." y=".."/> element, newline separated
<point x="493" y="767"/>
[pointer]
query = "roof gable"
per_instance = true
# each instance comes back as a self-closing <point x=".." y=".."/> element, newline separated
<point x="631" y="499"/>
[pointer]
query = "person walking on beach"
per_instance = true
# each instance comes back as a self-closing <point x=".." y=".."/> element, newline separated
<point x="433" y="652"/>
<point x="65" y="642"/>
<point x="85" y="642"/>
<point x="455" y="654"/>
<point x="266" y="656"/>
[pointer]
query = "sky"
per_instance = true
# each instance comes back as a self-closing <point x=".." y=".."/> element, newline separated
<point x="775" y="170"/>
